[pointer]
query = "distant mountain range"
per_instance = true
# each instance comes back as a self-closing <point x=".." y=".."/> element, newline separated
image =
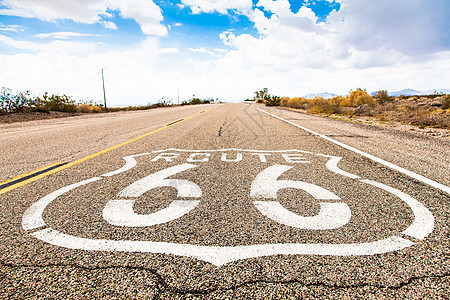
<point x="323" y="95"/>
<point x="411" y="92"/>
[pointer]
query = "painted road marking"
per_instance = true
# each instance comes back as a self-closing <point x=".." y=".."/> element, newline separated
<point x="423" y="219"/>
<point x="32" y="218"/>
<point x="420" y="228"/>
<point x="219" y="256"/>
<point x="266" y="185"/>
<point x="120" y="212"/>
<point x="404" y="171"/>
<point x="17" y="181"/>
<point x="71" y="164"/>
<point x="175" y="122"/>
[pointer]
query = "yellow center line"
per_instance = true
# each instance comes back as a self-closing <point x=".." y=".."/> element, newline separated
<point x="29" y="173"/>
<point x="76" y="162"/>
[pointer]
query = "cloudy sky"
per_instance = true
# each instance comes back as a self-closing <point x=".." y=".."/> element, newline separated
<point x="224" y="49"/>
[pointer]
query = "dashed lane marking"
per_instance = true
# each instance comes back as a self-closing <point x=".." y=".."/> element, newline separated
<point x="175" y="122"/>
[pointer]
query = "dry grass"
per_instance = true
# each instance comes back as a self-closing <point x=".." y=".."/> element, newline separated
<point x="423" y="111"/>
<point x="88" y="108"/>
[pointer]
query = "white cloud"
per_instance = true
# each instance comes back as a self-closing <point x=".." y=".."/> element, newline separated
<point x="220" y="6"/>
<point x="145" y="12"/>
<point x="374" y="45"/>
<point x="361" y="35"/>
<point x="84" y="11"/>
<point x="10" y="28"/>
<point x="55" y="47"/>
<point x="209" y="51"/>
<point x="62" y="35"/>
<point x="168" y="51"/>
<point x="109" y="25"/>
<point x="412" y="27"/>
<point x="133" y="76"/>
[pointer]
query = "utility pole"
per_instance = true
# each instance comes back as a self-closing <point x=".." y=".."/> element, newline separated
<point x="103" y="81"/>
<point x="178" y="96"/>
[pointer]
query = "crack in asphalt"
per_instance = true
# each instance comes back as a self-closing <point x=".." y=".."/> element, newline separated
<point x="162" y="284"/>
<point x="221" y="128"/>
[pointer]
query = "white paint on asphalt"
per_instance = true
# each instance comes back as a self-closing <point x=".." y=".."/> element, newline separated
<point x="331" y="215"/>
<point x="238" y="157"/>
<point x="266" y="185"/>
<point x="295" y="159"/>
<point x="423" y="223"/>
<point x="130" y="163"/>
<point x="262" y="156"/>
<point x="411" y="174"/>
<point x="194" y="157"/>
<point x="185" y="188"/>
<point x="121" y="213"/>
<point x="233" y="149"/>
<point x="32" y="217"/>
<point x="166" y="156"/>
<point x="332" y="165"/>
<point x="221" y="255"/>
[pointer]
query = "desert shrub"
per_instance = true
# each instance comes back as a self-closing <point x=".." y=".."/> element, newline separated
<point x="84" y="108"/>
<point x="357" y="98"/>
<point x="321" y="105"/>
<point x="271" y="100"/>
<point x="14" y="102"/>
<point x="284" y="101"/>
<point x="446" y="102"/>
<point x="299" y="102"/>
<point x="382" y="96"/>
<point x="62" y="103"/>
<point x="88" y="108"/>
<point x="196" y="101"/>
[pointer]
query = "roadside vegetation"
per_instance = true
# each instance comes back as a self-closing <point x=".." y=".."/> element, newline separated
<point x="423" y="111"/>
<point x="20" y="106"/>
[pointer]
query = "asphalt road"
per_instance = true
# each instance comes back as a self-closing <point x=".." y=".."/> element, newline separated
<point x="223" y="202"/>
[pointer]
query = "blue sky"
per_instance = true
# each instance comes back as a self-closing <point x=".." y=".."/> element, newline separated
<point x="222" y="49"/>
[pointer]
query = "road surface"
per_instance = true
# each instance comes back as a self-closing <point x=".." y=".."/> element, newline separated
<point x="221" y="202"/>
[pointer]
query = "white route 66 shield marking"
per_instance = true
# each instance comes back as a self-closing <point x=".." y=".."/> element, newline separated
<point x="119" y="212"/>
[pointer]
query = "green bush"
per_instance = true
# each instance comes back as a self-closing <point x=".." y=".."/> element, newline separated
<point x="62" y="103"/>
<point x="272" y="100"/>
<point x="382" y="96"/>
<point x="14" y="102"/>
<point x="194" y="101"/>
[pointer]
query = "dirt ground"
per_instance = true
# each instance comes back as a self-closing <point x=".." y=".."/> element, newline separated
<point x="374" y="121"/>
<point x="31" y="116"/>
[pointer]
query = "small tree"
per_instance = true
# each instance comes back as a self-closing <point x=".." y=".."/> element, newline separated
<point x="382" y="96"/>
<point x="272" y="100"/>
